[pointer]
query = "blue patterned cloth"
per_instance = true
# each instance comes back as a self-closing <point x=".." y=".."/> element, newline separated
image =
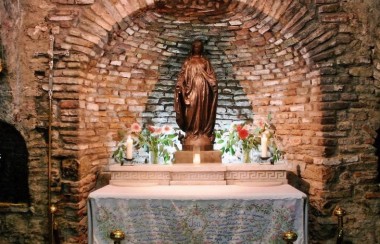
<point x="243" y="215"/>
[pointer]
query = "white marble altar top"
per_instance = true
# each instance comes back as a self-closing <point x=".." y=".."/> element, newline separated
<point x="196" y="192"/>
<point x="197" y="167"/>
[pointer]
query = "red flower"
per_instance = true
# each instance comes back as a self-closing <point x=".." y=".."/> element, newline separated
<point x="238" y="127"/>
<point x="151" y="128"/>
<point x="243" y="133"/>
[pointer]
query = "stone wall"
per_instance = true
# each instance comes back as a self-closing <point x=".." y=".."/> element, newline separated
<point x="22" y="222"/>
<point x="313" y="64"/>
<point x="349" y="175"/>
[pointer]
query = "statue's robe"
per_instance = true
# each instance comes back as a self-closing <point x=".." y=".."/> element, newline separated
<point x="196" y="98"/>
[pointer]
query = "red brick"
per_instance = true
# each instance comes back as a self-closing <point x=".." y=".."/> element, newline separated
<point x="335" y="17"/>
<point x="329" y="8"/>
<point x="372" y="195"/>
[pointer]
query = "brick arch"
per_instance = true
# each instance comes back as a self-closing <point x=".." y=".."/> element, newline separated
<point x="277" y="58"/>
<point x="279" y="47"/>
<point x="97" y="23"/>
<point x="272" y="35"/>
<point x="279" y="23"/>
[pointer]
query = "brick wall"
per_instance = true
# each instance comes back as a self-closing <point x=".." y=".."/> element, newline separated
<point x="312" y="64"/>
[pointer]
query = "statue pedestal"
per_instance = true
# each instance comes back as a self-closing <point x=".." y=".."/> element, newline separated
<point x="186" y="157"/>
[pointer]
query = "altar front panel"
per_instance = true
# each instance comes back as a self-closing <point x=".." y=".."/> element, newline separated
<point x="197" y="214"/>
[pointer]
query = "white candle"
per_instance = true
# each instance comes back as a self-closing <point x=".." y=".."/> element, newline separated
<point x="264" y="145"/>
<point x="196" y="158"/>
<point x="129" y="148"/>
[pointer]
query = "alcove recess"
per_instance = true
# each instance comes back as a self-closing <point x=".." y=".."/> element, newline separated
<point x="13" y="167"/>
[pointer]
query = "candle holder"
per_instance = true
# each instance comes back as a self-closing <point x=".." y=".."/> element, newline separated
<point x="128" y="161"/>
<point x="340" y="212"/>
<point x="264" y="158"/>
<point x="289" y="237"/>
<point x="117" y="236"/>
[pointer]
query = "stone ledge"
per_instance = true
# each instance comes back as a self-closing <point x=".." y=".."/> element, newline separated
<point x="210" y="174"/>
<point x="14" y="207"/>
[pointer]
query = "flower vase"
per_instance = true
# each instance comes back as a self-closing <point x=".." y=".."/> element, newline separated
<point x="153" y="157"/>
<point x="246" y="156"/>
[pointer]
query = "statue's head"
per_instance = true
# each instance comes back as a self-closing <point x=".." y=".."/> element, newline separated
<point x="197" y="47"/>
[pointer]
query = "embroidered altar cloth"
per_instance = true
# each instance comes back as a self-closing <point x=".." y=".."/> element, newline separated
<point x="197" y="214"/>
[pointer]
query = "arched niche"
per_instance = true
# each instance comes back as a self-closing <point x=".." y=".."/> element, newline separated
<point x="13" y="166"/>
<point x="268" y="52"/>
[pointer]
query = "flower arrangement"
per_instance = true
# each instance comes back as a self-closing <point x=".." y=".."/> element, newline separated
<point x="161" y="142"/>
<point x="153" y="139"/>
<point x="238" y="137"/>
<point x="157" y="140"/>
<point x="245" y="137"/>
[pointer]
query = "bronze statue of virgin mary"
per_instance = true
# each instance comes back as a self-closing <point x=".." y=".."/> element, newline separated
<point x="196" y="98"/>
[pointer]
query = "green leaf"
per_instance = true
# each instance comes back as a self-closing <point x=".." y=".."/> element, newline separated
<point x="176" y="147"/>
<point x="171" y="136"/>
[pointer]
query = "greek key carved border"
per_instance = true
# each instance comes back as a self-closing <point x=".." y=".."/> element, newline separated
<point x="264" y="175"/>
<point x="198" y="176"/>
<point x="140" y="176"/>
<point x="255" y="175"/>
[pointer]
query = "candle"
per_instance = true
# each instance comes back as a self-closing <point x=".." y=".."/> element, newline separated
<point x="264" y="145"/>
<point x="129" y="148"/>
<point x="196" y="158"/>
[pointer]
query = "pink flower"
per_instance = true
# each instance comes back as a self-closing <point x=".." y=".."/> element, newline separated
<point x="157" y="131"/>
<point x="261" y="124"/>
<point x="166" y="129"/>
<point x="135" y="128"/>
<point x="243" y="133"/>
<point x="238" y="128"/>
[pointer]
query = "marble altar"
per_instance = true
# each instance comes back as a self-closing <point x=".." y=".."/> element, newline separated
<point x="197" y="214"/>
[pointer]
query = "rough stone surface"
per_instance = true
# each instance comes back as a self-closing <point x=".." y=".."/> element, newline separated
<point x="314" y="66"/>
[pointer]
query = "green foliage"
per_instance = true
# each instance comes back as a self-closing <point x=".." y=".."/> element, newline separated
<point x="119" y="154"/>
<point x="238" y="137"/>
<point x="154" y="139"/>
<point x="151" y="138"/>
<point x="276" y="153"/>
